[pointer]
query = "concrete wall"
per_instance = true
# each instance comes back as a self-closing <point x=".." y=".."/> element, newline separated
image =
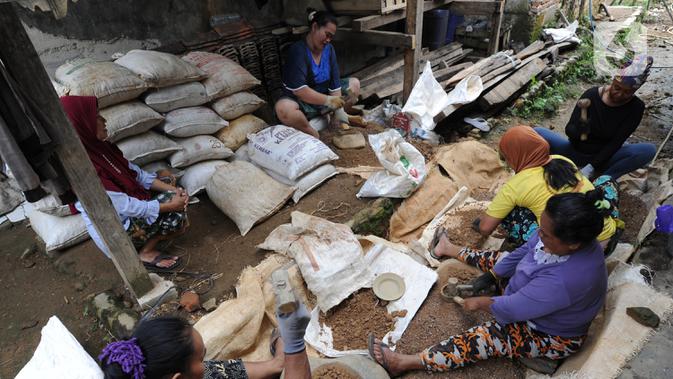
<point x="527" y="17"/>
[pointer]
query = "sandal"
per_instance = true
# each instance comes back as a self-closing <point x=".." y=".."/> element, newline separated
<point x="275" y="335"/>
<point x="439" y="232"/>
<point x="370" y="347"/>
<point x="152" y="266"/>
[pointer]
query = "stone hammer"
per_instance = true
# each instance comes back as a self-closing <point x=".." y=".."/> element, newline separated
<point x="452" y="291"/>
<point x="584" y="105"/>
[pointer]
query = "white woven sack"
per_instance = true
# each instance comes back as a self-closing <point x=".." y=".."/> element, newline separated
<point x="238" y="104"/>
<point x="128" y="119"/>
<point x="52" y="206"/>
<point x="192" y="121"/>
<point x="109" y="82"/>
<point x="197" y="149"/>
<point x="242" y="154"/>
<point x="225" y="77"/>
<point x="236" y="134"/>
<point x="160" y="69"/>
<point x="157" y="166"/>
<point x="287" y="151"/>
<point x="246" y="194"/>
<point x="196" y="176"/>
<point x="147" y="147"/>
<point x="58" y="232"/>
<point x="306" y="183"/>
<point x="180" y="96"/>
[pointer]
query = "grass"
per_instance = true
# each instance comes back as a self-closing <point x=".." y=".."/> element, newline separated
<point x="547" y="100"/>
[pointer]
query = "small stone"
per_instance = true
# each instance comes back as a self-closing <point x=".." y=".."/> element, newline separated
<point x="349" y="141"/>
<point x="28" y="324"/>
<point x="643" y="316"/>
<point x="190" y="301"/>
<point x="210" y="305"/>
<point x="213" y="222"/>
<point x="79" y="286"/>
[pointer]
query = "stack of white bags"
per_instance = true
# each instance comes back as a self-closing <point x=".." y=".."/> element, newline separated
<point x="186" y="114"/>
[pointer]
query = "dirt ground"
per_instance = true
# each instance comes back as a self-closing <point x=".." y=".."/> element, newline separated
<point x="37" y="287"/>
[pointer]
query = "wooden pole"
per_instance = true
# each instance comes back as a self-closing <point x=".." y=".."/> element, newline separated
<point x="496" y="23"/>
<point x="412" y="55"/>
<point x="21" y="60"/>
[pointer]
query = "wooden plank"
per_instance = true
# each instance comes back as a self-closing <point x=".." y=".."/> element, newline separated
<point x="375" y="21"/>
<point x="475" y="7"/>
<point x="21" y="60"/>
<point x="503" y="91"/>
<point x="496" y="23"/>
<point x="412" y="55"/>
<point x="445" y="73"/>
<point x="379" y="67"/>
<point x="530" y="49"/>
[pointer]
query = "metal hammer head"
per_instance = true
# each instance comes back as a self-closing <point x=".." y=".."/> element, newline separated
<point x="584" y="103"/>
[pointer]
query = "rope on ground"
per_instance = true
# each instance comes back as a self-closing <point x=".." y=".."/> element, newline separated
<point x="324" y="209"/>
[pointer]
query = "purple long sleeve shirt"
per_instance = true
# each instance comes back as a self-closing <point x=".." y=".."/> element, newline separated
<point x="556" y="295"/>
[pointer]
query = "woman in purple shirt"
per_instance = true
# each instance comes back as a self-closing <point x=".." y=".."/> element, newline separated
<point x="557" y="284"/>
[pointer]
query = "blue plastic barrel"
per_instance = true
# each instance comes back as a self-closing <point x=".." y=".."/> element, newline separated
<point x="435" y="23"/>
<point x="454" y="21"/>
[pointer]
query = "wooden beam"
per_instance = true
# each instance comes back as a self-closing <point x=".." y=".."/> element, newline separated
<point x="475" y="7"/>
<point x="21" y="60"/>
<point x="379" y="38"/>
<point x="412" y="55"/>
<point x="496" y="23"/>
<point x="375" y="21"/>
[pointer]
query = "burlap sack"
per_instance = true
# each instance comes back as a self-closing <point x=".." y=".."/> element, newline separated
<point x="470" y="164"/>
<point x="236" y="134"/>
<point x="246" y="194"/>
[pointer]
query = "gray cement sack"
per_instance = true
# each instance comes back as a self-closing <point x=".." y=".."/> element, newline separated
<point x="129" y="119"/>
<point x="197" y="175"/>
<point x="238" y="104"/>
<point x="246" y="194"/>
<point x="192" y="121"/>
<point x="109" y="82"/>
<point x="236" y="134"/>
<point x="160" y="69"/>
<point x="147" y="147"/>
<point x="225" y="77"/>
<point x="180" y="96"/>
<point x="198" y="148"/>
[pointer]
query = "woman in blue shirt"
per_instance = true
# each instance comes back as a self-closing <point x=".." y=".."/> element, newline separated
<point x="312" y="85"/>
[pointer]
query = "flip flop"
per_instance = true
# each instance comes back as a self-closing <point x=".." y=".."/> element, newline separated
<point x="479" y="123"/>
<point x="370" y="347"/>
<point x="152" y="266"/>
<point x="439" y="232"/>
<point x="275" y="335"/>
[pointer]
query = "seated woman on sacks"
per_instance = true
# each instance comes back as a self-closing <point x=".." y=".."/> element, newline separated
<point x="597" y="145"/>
<point x="312" y="83"/>
<point x="557" y="284"/>
<point x="147" y="219"/>
<point x="170" y="348"/>
<point x="518" y="205"/>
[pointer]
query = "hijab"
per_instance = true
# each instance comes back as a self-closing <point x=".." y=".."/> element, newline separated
<point x="523" y="148"/>
<point x="634" y="73"/>
<point x="111" y="166"/>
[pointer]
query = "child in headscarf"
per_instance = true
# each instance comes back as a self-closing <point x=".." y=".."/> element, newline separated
<point x="519" y="204"/>
<point x="614" y="114"/>
<point x="147" y="219"/>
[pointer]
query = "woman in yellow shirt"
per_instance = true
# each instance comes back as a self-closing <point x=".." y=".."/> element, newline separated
<point x="538" y="176"/>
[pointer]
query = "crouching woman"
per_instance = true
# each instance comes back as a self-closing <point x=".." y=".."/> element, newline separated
<point x="557" y="284"/>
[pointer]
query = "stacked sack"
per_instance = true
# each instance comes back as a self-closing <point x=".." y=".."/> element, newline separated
<point x="279" y="162"/>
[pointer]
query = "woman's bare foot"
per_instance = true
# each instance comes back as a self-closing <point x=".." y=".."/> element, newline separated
<point x="151" y="255"/>
<point x="395" y="363"/>
<point x="445" y="248"/>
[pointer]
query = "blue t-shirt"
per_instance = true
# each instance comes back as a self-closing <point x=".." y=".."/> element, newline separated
<point x="295" y="72"/>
